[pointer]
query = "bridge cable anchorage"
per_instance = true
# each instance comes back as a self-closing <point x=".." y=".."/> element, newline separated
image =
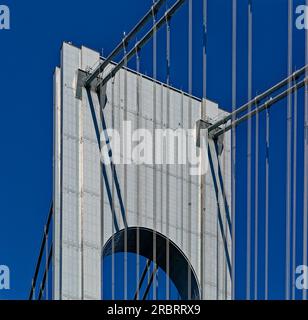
<point x="233" y="137"/>
<point x="128" y="38"/>
<point x="168" y="15"/>
<point x="305" y="205"/>
<point x="288" y="161"/>
<point x="249" y="160"/>
<point x="41" y="252"/>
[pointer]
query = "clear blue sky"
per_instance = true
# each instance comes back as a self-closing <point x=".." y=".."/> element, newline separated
<point x="29" y="53"/>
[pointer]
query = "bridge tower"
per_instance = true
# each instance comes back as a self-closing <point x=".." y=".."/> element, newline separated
<point x="179" y="220"/>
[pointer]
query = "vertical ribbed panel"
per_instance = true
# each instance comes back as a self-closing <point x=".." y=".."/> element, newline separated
<point x="70" y="286"/>
<point x="56" y="181"/>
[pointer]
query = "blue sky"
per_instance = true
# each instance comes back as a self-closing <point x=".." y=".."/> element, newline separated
<point x="29" y="53"/>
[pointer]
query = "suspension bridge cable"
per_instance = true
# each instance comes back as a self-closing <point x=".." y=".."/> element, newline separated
<point x="296" y="75"/>
<point x="225" y="271"/>
<point x="167" y="166"/>
<point x="204" y="48"/>
<point x="150" y="282"/>
<point x="249" y="133"/>
<point x="45" y="276"/>
<point x="41" y="252"/>
<point x="102" y="212"/>
<point x="47" y="262"/>
<point x="138" y="175"/>
<point x="267" y="163"/>
<point x="288" y="169"/>
<point x="294" y="197"/>
<point x="203" y="177"/>
<point x="190" y="84"/>
<point x="182" y="174"/>
<point x="269" y="103"/>
<point x="217" y="251"/>
<point x="143" y="41"/>
<point x="144" y="273"/>
<point x="305" y="207"/>
<point x="130" y="36"/>
<point x="125" y="172"/>
<point x="154" y="146"/>
<point x="233" y="154"/>
<point x="256" y="248"/>
<point x="113" y="195"/>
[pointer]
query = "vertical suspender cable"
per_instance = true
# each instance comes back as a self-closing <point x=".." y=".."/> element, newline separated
<point x="113" y="202"/>
<point x="248" y="267"/>
<point x="267" y="199"/>
<point x="46" y="263"/>
<point x="167" y="166"/>
<point x="256" y="248"/>
<point x="225" y="270"/>
<point x="125" y="174"/>
<point x="305" y="213"/>
<point x="203" y="178"/>
<point x="190" y="44"/>
<point x="81" y="204"/>
<point x="102" y="213"/>
<point x="161" y="166"/>
<point x="233" y="154"/>
<point x="204" y="48"/>
<point x="154" y="148"/>
<point x="288" y="171"/>
<point x="217" y="251"/>
<point x="138" y="177"/>
<point x="294" y="195"/>
<point x="183" y="175"/>
<point x="157" y="283"/>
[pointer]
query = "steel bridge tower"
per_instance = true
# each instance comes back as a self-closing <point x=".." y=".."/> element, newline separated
<point x="157" y="211"/>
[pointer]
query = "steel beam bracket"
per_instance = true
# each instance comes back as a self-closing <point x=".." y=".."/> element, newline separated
<point x="201" y="125"/>
<point x="205" y="124"/>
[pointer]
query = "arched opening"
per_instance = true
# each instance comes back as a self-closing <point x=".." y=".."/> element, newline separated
<point x="181" y="272"/>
